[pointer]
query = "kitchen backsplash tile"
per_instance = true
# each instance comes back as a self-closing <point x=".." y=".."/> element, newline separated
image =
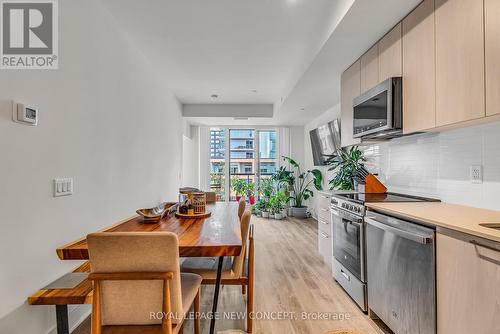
<point x="438" y="165"/>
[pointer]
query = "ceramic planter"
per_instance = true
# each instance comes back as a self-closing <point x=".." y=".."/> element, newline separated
<point x="238" y="197"/>
<point x="299" y="212"/>
<point x="278" y="216"/>
<point x="251" y="199"/>
<point x="265" y="214"/>
<point x="289" y="212"/>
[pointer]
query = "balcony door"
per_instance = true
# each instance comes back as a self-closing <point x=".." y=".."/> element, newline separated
<point x="250" y="155"/>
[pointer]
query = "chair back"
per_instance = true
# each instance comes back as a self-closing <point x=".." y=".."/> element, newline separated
<point x="132" y="302"/>
<point x="241" y="208"/>
<point x="239" y="261"/>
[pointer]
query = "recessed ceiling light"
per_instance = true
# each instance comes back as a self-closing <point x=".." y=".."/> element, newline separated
<point x="214" y="96"/>
<point x="254" y="90"/>
<point x="302" y="108"/>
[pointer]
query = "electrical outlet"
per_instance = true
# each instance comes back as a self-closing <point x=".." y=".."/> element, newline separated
<point x="476" y="174"/>
<point x="63" y="187"/>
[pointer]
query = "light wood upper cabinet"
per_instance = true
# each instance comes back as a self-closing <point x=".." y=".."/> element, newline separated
<point x="468" y="285"/>
<point x="369" y="69"/>
<point x="419" y="70"/>
<point x="459" y="61"/>
<point x="492" y="56"/>
<point x="390" y="55"/>
<point x="350" y="83"/>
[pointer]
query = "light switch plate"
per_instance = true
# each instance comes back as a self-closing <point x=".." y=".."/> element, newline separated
<point x="476" y="174"/>
<point x="63" y="187"/>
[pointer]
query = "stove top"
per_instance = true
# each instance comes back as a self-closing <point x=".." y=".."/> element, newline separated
<point x="362" y="198"/>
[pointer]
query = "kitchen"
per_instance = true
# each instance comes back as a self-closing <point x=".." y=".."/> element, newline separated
<point x="327" y="167"/>
<point x="399" y="254"/>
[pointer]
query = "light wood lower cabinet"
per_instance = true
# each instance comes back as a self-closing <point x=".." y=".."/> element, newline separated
<point x="468" y="284"/>
<point x="492" y="55"/>
<point x="459" y="61"/>
<point x="350" y="87"/>
<point x="419" y="69"/>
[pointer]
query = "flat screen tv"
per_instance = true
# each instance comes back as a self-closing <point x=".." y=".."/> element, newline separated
<point x="325" y="141"/>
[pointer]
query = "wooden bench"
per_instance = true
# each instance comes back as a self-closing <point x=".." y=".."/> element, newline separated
<point x="61" y="298"/>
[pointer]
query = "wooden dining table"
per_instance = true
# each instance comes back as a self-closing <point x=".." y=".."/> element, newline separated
<point x="216" y="236"/>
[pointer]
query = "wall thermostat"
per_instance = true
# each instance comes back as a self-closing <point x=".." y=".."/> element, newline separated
<point x="24" y="114"/>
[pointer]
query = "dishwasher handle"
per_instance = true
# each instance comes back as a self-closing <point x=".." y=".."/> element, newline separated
<point x="422" y="239"/>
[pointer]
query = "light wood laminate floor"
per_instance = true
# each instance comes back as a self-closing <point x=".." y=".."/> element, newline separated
<point x="290" y="276"/>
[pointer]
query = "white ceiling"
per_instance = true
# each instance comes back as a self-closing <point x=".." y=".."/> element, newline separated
<point x="290" y="51"/>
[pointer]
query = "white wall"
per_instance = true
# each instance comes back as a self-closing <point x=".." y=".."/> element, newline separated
<point x="327" y="116"/>
<point x="191" y="158"/>
<point x="438" y="165"/>
<point x="106" y="120"/>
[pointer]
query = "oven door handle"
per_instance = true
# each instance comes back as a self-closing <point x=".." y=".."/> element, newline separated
<point x="422" y="239"/>
<point x="347" y="216"/>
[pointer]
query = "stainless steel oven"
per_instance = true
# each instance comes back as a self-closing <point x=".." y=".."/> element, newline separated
<point x="348" y="240"/>
<point x="348" y="231"/>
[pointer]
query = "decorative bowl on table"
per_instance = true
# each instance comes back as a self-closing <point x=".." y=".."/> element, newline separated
<point x="154" y="215"/>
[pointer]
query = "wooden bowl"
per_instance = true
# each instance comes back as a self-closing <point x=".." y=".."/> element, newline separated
<point x="151" y="216"/>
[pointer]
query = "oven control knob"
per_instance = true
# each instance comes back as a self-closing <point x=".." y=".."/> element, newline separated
<point x="344" y="205"/>
<point x="334" y="201"/>
<point x="350" y="206"/>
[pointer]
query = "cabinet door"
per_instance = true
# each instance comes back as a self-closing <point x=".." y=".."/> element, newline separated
<point x="349" y="89"/>
<point x="369" y="69"/>
<point x="468" y="286"/>
<point x="492" y="57"/>
<point x="419" y="70"/>
<point x="459" y="61"/>
<point x="390" y="55"/>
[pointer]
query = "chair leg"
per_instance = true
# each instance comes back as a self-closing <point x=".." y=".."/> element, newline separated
<point x="197" y="313"/>
<point x="250" y="306"/>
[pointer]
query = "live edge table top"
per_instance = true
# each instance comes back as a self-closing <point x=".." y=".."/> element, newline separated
<point x="217" y="235"/>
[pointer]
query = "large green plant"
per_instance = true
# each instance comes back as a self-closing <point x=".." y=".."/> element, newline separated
<point x="239" y="186"/>
<point x="345" y="165"/>
<point x="303" y="181"/>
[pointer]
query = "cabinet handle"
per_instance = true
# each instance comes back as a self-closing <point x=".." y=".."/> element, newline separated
<point x="323" y="222"/>
<point x="474" y="242"/>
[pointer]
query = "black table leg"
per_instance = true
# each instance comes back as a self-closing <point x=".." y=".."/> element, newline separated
<point x="216" y="294"/>
<point x="62" y="319"/>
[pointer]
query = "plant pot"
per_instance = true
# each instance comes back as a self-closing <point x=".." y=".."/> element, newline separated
<point x="299" y="212"/>
<point x="251" y="199"/>
<point x="265" y="214"/>
<point x="238" y="197"/>
<point x="289" y="212"/>
<point x="278" y="216"/>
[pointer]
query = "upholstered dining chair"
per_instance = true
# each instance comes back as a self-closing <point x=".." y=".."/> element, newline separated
<point x="238" y="271"/>
<point x="241" y="207"/>
<point x="138" y="287"/>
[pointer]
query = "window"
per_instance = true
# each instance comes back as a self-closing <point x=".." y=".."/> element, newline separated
<point x="217" y="163"/>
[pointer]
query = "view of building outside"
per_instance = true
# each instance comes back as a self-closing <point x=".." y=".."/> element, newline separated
<point x="267" y="153"/>
<point x="217" y="162"/>
<point x="243" y="157"/>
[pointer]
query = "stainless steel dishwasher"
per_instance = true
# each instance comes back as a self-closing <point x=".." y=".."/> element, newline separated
<point x="401" y="274"/>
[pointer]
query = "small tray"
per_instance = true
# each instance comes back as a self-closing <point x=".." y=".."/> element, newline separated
<point x="196" y="215"/>
<point x="152" y="217"/>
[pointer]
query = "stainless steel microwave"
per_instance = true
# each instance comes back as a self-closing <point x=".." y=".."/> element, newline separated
<point x="378" y="113"/>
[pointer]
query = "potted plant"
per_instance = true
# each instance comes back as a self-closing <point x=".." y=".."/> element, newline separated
<point x="302" y="187"/>
<point x="346" y="165"/>
<point x="239" y="187"/>
<point x="250" y="187"/>
<point x="279" y="203"/>
<point x="260" y="207"/>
